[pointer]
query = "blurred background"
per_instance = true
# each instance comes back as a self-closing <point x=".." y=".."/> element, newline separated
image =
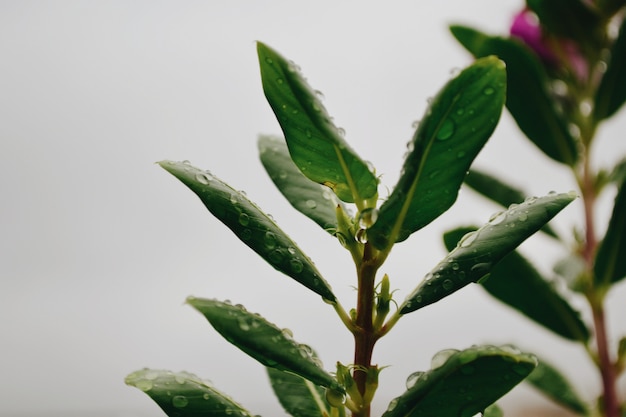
<point x="99" y="247"/>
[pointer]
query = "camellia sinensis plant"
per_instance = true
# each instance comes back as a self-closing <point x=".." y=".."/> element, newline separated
<point x="566" y="68"/>
<point x="324" y="179"/>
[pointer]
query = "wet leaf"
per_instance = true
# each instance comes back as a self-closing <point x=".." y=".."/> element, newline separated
<point x="251" y="225"/>
<point x="610" y="262"/>
<point x="499" y="192"/>
<point x="183" y="394"/>
<point x="315" y="201"/>
<point x="528" y="99"/>
<point x="456" y="126"/>
<point x="515" y="282"/>
<point x="262" y="340"/>
<point x="299" y="397"/>
<point x="467" y="383"/>
<point x="478" y="252"/>
<point x="551" y="382"/>
<point x="315" y="144"/>
<point x="611" y="92"/>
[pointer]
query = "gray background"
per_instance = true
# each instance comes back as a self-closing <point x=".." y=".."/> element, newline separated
<point x="99" y="247"/>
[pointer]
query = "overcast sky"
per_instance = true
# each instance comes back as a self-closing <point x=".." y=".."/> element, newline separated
<point x="99" y="247"/>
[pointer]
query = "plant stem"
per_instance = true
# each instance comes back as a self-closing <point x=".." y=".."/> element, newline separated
<point x="364" y="337"/>
<point x="595" y="296"/>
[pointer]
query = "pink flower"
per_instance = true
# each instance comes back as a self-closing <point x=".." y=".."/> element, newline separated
<point x="554" y="52"/>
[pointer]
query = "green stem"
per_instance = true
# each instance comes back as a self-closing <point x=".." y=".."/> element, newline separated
<point x="595" y="296"/>
<point x="364" y="335"/>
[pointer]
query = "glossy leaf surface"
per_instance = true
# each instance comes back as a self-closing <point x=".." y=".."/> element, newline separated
<point x="262" y="340"/>
<point x="515" y="282"/>
<point x="610" y="262"/>
<point x="183" y="394"/>
<point x="467" y="383"/>
<point x="316" y="145"/>
<point x="527" y="99"/>
<point x="611" y="92"/>
<point x="299" y="397"/>
<point x="251" y="225"/>
<point x="555" y="386"/>
<point x="456" y="126"/>
<point x="315" y="201"/>
<point x="498" y="191"/>
<point x="478" y="252"/>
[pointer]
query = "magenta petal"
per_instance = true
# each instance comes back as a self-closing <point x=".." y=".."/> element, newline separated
<point x="526" y="28"/>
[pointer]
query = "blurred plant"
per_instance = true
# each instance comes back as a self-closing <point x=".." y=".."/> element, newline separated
<point x="566" y="72"/>
<point x="324" y="179"/>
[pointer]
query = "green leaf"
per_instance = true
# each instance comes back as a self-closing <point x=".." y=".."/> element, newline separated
<point x="499" y="192"/>
<point x="515" y="282"/>
<point x="611" y="92"/>
<point x="549" y="381"/>
<point x="478" y="252"/>
<point x="527" y="99"/>
<point x="299" y="397"/>
<point x="467" y="383"/>
<point x="456" y="126"/>
<point x="610" y="263"/>
<point x="568" y="18"/>
<point x="263" y="341"/>
<point x="252" y="226"/>
<point x="315" y="201"/>
<point x="316" y="145"/>
<point x="183" y="394"/>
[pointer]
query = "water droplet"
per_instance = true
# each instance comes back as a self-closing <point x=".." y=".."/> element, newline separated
<point x="468" y="239"/>
<point x="335" y="398"/>
<point x="412" y="379"/>
<point x="203" y="178"/>
<point x="497" y="218"/>
<point x="488" y="91"/>
<point x="572" y="194"/>
<point x="455" y="266"/>
<point x="206" y="396"/>
<point x="311" y="204"/>
<point x="530" y="200"/>
<point x="243" y="324"/>
<point x="144" y="384"/>
<point x="446" y="130"/>
<point x="447" y="284"/>
<point x="291" y="250"/>
<point x="522" y="217"/>
<point x="415" y="124"/>
<point x="269" y="240"/>
<point x="279" y="81"/>
<point x="180" y="401"/>
<point x="186" y="162"/>
<point x="428" y="276"/>
<point x="233" y="199"/>
<point x="442" y="357"/>
<point x="244" y="219"/>
<point x="296" y="265"/>
<point x="276" y="256"/>
<point x="180" y="379"/>
<point x="392" y="405"/>
<point x="269" y="61"/>
<point x="368" y="217"/>
<point x="282" y="175"/>
<point x="341" y="131"/>
<point x="460" y="111"/>
<point x="460" y="154"/>
<point x="361" y="236"/>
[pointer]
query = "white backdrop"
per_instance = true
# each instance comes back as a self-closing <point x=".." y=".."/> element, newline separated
<point x="99" y="247"/>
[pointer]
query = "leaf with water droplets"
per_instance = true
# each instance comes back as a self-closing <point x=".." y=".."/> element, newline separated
<point x="553" y="384"/>
<point x="467" y="383"/>
<point x="443" y="148"/>
<point x="182" y="394"/>
<point x="263" y="341"/>
<point x="611" y="93"/>
<point x="496" y="190"/>
<point x="479" y="251"/>
<point x="515" y="282"/>
<point x="251" y="225"/>
<point x="298" y="396"/>
<point x="315" y="201"/>
<point x="527" y="99"/>
<point x="610" y="263"/>
<point x="315" y="144"/>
